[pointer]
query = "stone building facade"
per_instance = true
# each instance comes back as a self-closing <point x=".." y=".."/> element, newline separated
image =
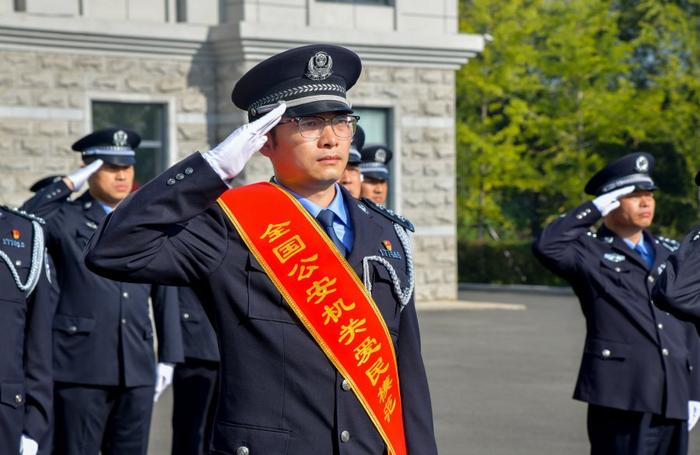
<point x="64" y="59"/>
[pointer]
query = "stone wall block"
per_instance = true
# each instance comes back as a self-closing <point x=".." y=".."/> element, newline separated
<point x="120" y="65"/>
<point x="404" y="75"/>
<point x="55" y="62"/>
<point x="190" y="132"/>
<point x="90" y="63"/>
<point x="106" y="83"/>
<point x="378" y="74"/>
<point x="35" y="80"/>
<point x="171" y="83"/>
<point x="19" y="97"/>
<point x="193" y="103"/>
<point x="76" y="100"/>
<point x="139" y="84"/>
<point x="435" y="108"/>
<point x="15" y="127"/>
<point x="430" y="76"/>
<point x="70" y="81"/>
<point x="50" y="99"/>
<point x="51" y="128"/>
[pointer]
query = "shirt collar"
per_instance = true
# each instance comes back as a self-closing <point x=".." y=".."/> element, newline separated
<point x="105" y="207"/>
<point x="337" y="205"/>
<point x="642" y="245"/>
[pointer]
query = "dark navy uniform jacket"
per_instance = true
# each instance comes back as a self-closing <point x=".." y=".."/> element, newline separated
<point x="636" y="357"/>
<point x="198" y="336"/>
<point x="102" y="330"/>
<point x="26" y="386"/>
<point x="279" y="393"/>
<point x="678" y="289"/>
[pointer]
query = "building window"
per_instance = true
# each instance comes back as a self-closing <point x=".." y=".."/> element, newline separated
<point x="181" y="10"/>
<point x="20" y="6"/>
<point x="149" y="121"/>
<point x="376" y="123"/>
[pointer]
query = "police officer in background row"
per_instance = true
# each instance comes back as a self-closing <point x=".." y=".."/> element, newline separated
<point x="194" y="381"/>
<point x="104" y="365"/>
<point x="352" y="177"/>
<point x="637" y="368"/>
<point x="678" y="289"/>
<point x="282" y="391"/>
<point x="375" y="173"/>
<point x="26" y="311"/>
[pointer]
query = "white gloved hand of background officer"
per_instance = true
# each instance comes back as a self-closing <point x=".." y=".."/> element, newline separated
<point x="230" y="157"/>
<point x="606" y="203"/>
<point x="78" y="178"/>
<point x="693" y="413"/>
<point x="27" y="446"/>
<point x="164" y="377"/>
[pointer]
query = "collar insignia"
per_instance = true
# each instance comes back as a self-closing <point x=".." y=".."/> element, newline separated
<point x="613" y="257"/>
<point x="319" y="67"/>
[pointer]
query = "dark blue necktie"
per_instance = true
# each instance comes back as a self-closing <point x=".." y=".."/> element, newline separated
<point x="644" y="254"/>
<point x="325" y="218"/>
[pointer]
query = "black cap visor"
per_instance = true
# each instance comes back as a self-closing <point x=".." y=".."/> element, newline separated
<point x="117" y="160"/>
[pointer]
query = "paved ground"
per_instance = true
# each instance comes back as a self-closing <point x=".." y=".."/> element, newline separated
<point x="501" y="377"/>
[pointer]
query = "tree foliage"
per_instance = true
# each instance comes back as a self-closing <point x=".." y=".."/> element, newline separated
<point x="564" y="86"/>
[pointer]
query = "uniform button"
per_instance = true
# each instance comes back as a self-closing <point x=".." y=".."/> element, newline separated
<point x="186" y="315"/>
<point x="345" y="436"/>
<point x="651" y="279"/>
<point x="179" y="176"/>
<point x="345" y="385"/>
<point x="242" y="450"/>
<point x="189" y="170"/>
<point x="664" y="351"/>
<point x="125" y="295"/>
<point x="660" y="326"/>
<point x="19" y="398"/>
<point x="690" y="367"/>
<point x="606" y="352"/>
<point x="72" y="329"/>
<point x="123" y="320"/>
<point x="170" y="182"/>
<point x="617" y="269"/>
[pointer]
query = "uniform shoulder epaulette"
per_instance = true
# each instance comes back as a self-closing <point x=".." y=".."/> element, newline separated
<point x="24" y="214"/>
<point x="387" y="213"/>
<point x="670" y="244"/>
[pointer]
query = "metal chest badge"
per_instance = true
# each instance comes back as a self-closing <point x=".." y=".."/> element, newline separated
<point x="613" y="257"/>
<point x="14" y="239"/>
<point x="388" y="250"/>
<point x="320" y="66"/>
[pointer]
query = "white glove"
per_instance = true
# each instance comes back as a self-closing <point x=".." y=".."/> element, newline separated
<point x="229" y="158"/>
<point x="79" y="177"/>
<point x="27" y="446"/>
<point x="606" y="203"/>
<point x="693" y="413"/>
<point x="164" y="377"/>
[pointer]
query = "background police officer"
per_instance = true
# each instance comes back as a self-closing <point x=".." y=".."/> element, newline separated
<point x="375" y="174"/>
<point x="26" y="311"/>
<point x="636" y="371"/>
<point x="104" y="366"/>
<point x="352" y="177"/>
<point x="194" y="381"/>
<point x="279" y="392"/>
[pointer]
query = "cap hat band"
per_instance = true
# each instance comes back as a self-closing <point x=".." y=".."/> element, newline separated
<point x="270" y="100"/>
<point x="627" y="180"/>
<point x="109" y="150"/>
<point x="374" y="167"/>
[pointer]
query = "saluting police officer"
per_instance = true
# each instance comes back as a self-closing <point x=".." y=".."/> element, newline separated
<point x="637" y="368"/>
<point x="194" y="381"/>
<point x="352" y="177"/>
<point x="280" y="389"/>
<point x="104" y="365"/>
<point x="375" y="174"/>
<point x="26" y="312"/>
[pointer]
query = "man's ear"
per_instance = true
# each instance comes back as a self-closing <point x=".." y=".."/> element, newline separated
<point x="268" y="147"/>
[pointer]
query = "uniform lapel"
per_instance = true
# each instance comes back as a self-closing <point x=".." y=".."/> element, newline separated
<point x="366" y="230"/>
<point x="619" y="245"/>
<point x="91" y="208"/>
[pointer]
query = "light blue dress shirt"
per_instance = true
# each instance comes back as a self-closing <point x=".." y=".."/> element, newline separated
<point x="643" y="249"/>
<point x="341" y="221"/>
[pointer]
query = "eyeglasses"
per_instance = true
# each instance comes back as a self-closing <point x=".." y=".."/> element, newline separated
<point x="311" y="127"/>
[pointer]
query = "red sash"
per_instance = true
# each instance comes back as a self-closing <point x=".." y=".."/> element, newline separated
<point x="326" y="295"/>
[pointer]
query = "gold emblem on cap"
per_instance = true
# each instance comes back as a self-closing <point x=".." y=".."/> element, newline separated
<point x="380" y="156"/>
<point x="319" y="67"/>
<point x="120" y="138"/>
<point x="642" y="164"/>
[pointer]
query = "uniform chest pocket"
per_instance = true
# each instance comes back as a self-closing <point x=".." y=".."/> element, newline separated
<point x="264" y="300"/>
<point x="84" y="233"/>
<point x="615" y="267"/>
